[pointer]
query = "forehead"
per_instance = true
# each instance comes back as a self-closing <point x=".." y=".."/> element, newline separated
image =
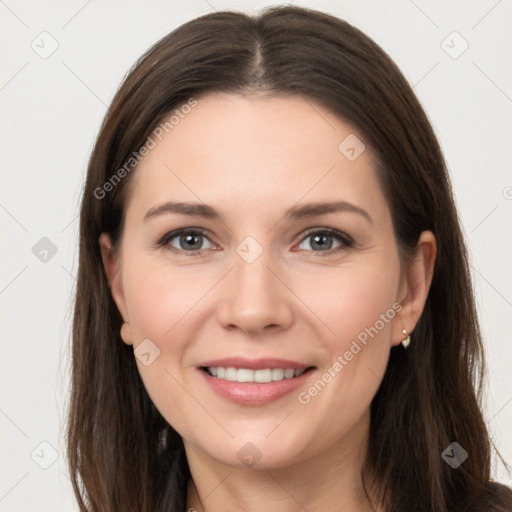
<point x="250" y="151"/>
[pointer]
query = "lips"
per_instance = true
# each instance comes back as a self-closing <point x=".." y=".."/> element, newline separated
<point x="254" y="382"/>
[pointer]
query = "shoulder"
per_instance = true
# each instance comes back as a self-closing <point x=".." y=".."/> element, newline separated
<point x="496" y="498"/>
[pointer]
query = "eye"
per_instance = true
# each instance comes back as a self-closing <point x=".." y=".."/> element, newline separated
<point x="192" y="241"/>
<point x="185" y="240"/>
<point x="324" y="239"/>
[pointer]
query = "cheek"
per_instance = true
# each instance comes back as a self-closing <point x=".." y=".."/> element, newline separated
<point x="160" y="302"/>
<point x="352" y="300"/>
<point x="165" y="304"/>
<point x="159" y="296"/>
<point x="359" y="308"/>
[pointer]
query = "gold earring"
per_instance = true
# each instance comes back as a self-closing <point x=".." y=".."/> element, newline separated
<point x="405" y="342"/>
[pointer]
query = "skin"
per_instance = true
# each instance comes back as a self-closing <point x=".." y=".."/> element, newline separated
<point x="251" y="158"/>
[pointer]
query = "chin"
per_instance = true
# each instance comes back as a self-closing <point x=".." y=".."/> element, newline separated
<point x="258" y="452"/>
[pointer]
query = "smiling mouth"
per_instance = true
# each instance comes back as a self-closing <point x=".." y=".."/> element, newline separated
<point x="262" y="376"/>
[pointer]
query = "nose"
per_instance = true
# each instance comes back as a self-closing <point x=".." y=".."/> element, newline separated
<point x="255" y="298"/>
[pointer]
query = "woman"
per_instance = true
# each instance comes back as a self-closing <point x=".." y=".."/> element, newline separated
<point x="274" y="308"/>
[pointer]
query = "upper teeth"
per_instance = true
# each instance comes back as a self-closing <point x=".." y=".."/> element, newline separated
<point x="245" y="375"/>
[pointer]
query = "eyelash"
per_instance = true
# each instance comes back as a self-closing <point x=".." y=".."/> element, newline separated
<point x="346" y="241"/>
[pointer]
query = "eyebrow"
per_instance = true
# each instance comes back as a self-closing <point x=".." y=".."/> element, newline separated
<point x="293" y="213"/>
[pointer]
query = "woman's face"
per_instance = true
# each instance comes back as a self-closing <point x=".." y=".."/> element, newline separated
<point x="255" y="280"/>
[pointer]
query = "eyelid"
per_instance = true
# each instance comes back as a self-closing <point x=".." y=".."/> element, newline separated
<point x="346" y="240"/>
<point x="325" y="229"/>
<point x="164" y="240"/>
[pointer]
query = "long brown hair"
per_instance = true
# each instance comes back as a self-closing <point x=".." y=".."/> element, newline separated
<point x="123" y="455"/>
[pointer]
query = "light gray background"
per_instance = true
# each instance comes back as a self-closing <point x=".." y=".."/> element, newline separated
<point x="51" y="110"/>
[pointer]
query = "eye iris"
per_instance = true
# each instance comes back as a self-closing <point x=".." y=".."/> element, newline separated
<point x="192" y="241"/>
<point x="187" y="241"/>
<point x="319" y="241"/>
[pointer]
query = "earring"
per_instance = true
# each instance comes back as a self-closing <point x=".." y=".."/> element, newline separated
<point x="405" y="342"/>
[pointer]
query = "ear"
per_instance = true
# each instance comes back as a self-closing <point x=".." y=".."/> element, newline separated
<point x="112" y="266"/>
<point x="415" y="286"/>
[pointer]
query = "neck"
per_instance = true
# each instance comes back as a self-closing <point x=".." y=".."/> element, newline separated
<point x="330" y="480"/>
